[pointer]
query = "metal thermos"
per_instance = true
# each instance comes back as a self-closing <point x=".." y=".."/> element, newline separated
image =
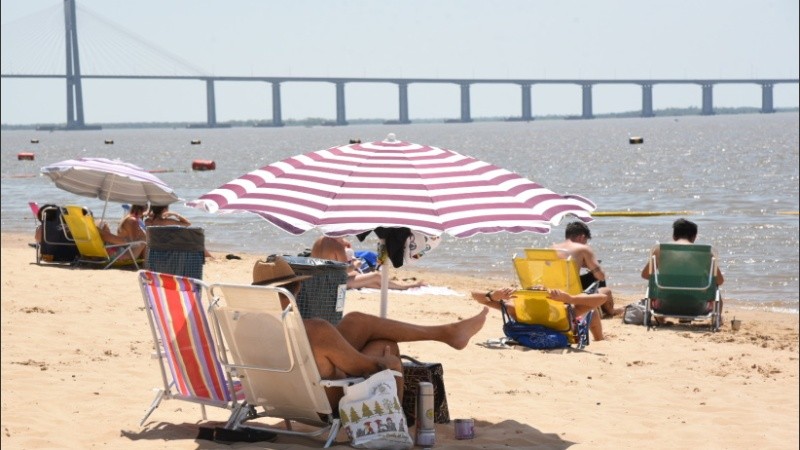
<point x="426" y="430"/>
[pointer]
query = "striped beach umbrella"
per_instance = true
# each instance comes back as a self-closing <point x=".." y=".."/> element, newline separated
<point x="356" y="188"/>
<point x="110" y="180"/>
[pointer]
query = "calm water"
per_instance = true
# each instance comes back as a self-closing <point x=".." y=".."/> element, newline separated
<point x="737" y="175"/>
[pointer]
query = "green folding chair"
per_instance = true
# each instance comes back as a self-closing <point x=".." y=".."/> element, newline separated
<point x="682" y="285"/>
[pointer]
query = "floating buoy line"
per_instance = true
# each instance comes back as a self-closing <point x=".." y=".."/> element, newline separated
<point x="640" y="213"/>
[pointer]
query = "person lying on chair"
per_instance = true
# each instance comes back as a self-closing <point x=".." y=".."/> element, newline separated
<point x="582" y="304"/>
<point x="361" y="344"/>
<point x="335" y="249"/>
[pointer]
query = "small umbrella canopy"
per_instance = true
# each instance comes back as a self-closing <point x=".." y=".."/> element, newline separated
<point x="356" y="188"/>
<point x="110" y="180"/>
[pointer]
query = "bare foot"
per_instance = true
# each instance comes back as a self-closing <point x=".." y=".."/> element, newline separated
<point x="463" y="331"/>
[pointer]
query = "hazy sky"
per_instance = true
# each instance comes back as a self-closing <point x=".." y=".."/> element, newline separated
<point x="388" y="38"/>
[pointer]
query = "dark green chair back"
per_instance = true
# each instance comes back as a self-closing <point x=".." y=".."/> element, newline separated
<point x="683" y="279"/>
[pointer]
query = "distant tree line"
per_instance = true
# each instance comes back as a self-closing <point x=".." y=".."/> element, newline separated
<point x="318" y="121"/>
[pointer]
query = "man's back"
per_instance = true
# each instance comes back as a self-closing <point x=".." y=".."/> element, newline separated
<point x="584" y="257"/>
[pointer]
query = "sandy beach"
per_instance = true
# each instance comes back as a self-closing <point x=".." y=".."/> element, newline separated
<point x="77" y="371"/>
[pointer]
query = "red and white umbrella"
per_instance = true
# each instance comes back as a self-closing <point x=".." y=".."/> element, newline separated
<point x="354" y="188"/>
<point x="351" y="189"/>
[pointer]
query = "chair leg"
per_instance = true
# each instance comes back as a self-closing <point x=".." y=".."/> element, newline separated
<point x="153" y="406"/>
<point x="335" y="424"/>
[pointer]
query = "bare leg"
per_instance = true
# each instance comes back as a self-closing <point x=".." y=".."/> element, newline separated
<point x="608" y="306"/>
<point x="360" y="329"/>
<point x="336" y="358"/>
<point x="584" y="303"/>
<point x="595" y="326"/>
<point x="373" y="280"/>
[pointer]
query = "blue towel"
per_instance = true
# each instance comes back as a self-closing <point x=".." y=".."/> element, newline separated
<point x="371" y="258"/>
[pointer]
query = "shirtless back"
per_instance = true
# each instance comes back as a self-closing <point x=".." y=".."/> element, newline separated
<point x="584" y="257"/>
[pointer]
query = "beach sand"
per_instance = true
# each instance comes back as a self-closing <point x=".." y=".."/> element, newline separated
<point x="77" y="371"/>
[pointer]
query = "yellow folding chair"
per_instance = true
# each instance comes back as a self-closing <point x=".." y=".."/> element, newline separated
<point x="91" y="247"/>
<point x="541" y="269"/>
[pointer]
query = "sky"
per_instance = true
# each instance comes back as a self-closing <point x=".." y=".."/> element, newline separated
<point x="610" y="39"/>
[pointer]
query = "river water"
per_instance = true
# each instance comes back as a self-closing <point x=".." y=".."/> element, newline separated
<point x="735" y="175"/>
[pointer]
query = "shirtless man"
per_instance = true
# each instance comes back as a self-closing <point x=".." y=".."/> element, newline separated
<point x="362" y="344"/>
<point x="335" y="249"/>
<point x="577" y="237"/>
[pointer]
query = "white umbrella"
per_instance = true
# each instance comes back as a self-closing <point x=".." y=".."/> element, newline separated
<point x="356" y="188"/>
<point x="110" y="180"/>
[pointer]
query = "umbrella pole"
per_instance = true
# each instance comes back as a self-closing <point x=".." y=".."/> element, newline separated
<point x="384" y="289"/>
<point x="108" y="194"/>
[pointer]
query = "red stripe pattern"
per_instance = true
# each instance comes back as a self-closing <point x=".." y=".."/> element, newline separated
<point x="354" y="188"/>
<point x="186" y="337"/>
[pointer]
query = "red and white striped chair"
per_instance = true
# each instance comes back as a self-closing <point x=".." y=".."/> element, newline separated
<point x="190" y="366"/>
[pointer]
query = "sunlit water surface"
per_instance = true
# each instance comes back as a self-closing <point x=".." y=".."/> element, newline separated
<point x="736" y="175"/>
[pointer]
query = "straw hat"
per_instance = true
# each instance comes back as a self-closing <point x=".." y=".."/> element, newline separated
<point x="276" y="273"/>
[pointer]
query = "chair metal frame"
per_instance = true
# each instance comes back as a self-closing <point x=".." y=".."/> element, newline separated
<point x="62" y="226"/>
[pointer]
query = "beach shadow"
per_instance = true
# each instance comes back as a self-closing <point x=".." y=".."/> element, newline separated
<point x="511" y="434"/>
<point x="501" y="435"/>
<point x="500" y="344"/>
<point x="695" y="327"/>
<point x="169" y="432"/>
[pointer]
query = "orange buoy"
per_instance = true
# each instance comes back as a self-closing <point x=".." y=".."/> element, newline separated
<point x="203" y="164"/>
<point x="25" y="156"/>
<point x="195" y="141"/>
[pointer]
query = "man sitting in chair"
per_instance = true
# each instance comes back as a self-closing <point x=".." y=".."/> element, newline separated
<point x="362" y="344"/>
<point x="577" y="236"/>
<point x="684" y="232"/>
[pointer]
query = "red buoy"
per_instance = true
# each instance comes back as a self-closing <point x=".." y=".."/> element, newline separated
<point x="203" y="164"/>
<point x="25" y="156"/>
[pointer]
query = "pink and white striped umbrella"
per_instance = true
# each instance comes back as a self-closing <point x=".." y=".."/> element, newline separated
<point x="354" y="188"/>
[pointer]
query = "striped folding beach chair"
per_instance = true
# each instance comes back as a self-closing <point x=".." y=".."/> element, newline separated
<point x="190" y="366"/>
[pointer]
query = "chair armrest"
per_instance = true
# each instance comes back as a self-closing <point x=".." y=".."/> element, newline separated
<point x="127" y="244"/>
<point x="341" y="383"/>
<point x="351" y="381"/>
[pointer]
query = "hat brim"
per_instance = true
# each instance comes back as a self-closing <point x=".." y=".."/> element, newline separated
<point x="282" y="282"/>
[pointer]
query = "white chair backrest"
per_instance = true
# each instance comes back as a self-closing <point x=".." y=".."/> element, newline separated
<point x="269" y="350"/>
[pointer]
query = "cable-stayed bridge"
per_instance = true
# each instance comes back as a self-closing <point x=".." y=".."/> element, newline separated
<point x="47" y="45"/>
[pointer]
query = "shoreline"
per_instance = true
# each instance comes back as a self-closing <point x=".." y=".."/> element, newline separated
<point x="413" y="273"/>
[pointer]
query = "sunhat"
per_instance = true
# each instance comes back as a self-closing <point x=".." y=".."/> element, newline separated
<point x="275" y="273"/>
